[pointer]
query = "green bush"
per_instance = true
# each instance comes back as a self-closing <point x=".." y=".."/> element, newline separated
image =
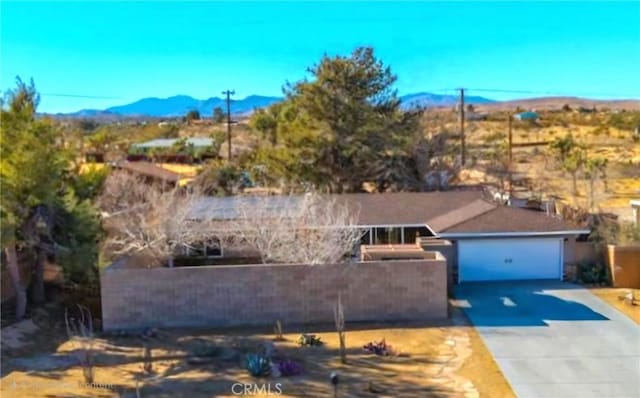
<point x="592" y="273"/>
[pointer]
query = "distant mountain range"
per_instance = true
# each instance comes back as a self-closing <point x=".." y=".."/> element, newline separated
<point x="179" y="105"/>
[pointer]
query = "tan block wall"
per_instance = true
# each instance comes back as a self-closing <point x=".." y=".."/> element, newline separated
<point x="261" y="294"/>
<point x="449" y="251"/>
<point x="624" y="265"/>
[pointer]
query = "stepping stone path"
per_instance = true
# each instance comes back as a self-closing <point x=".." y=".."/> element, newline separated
<point x="451" y="357"/>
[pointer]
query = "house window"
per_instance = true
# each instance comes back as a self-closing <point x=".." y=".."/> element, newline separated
<point x="388" y="236"/>
<point x="410" y="233"/>
<point x="210" y="248"/>
<point x="366" y="237"/>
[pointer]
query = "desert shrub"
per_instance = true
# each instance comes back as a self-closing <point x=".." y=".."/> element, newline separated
<point x="379" y="348"/>
<point x="290" y="368"/>
<point x="628" y="234"/>
<point x="80" y="333"/>
<point x="309" y="340"/>
<point x="611" y="232"/>
<point x="601" y="129"/>
<point x="494" y="136"/>
<point x="592" y="273"/>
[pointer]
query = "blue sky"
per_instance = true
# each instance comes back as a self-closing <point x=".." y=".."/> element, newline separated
<point x="127" y="51"/>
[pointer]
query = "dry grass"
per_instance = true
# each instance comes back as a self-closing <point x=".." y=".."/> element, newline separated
<point x="483" y="370"/>
<point x="537" y="163"/>
<point x="611" y="296"/>
<point x="185" y="170"/>
<point x="428" y="365"/>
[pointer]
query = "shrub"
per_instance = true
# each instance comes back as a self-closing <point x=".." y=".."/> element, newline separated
<point x="258" y="365"/>
<point x="379" y="348"/>
<point x="614" y="233"/>
<point x="290" y="368"/>
<point x="592" y="273"/>
<point x="309" y="340"/>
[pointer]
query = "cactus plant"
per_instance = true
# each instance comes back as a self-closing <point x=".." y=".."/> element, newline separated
<point x="258" y="365"/>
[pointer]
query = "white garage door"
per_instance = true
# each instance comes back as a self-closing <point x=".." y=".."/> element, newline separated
<point x="509" y="259"/>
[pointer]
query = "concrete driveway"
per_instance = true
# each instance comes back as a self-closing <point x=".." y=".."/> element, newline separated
<point x="555" y="339"/>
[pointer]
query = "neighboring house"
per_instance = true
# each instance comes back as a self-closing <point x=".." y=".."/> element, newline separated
<point x="193" y="148"/>
<point x="196" y="142"/>
<point x="635" y="206"/>
<point x="154" y="173"/>
<point x="475" y="116"/>
<point x="488" y="241"/>
<point x="526" y="116"/>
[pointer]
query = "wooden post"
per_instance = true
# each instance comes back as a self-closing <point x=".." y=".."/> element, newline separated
<point x="462" y="138"/>
<point x="510" y="156"/>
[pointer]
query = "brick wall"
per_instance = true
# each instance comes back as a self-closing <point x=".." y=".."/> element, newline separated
<point x="261" y="294"/>
<point x="449" y="251"/>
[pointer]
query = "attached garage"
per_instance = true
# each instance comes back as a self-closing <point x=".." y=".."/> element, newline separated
<point x="510" y="259"/>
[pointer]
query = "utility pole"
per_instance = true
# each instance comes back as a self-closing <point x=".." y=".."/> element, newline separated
<point x="510" y="155"/>
<point x="228" y="93"/>
<point x="461" y="111"/>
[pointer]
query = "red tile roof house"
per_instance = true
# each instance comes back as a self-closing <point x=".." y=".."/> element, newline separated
<point x="482" y="240"/>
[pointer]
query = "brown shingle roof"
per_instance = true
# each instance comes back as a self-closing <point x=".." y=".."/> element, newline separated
<point x="462" y="214"/>
<point x="407" y="207"/>
<point x="511" y="219"/>
<point x="444" y="212"/>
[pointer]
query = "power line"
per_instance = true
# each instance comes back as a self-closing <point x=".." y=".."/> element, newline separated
<point x="524" y="91"/>
<point x="77" y="96"/>
<point x="565" y="94"/>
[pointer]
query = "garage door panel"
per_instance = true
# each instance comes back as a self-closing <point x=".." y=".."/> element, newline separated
<point x="509" y="259"/>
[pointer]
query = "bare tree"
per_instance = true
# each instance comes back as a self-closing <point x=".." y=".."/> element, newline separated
<point x="80" y="332"/>
<point x="309" y="229"/>
<point x="146" y="222"/>
<point x="157" y="226"/>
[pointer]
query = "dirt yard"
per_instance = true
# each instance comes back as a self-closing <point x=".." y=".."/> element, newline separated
<point x="436" y="360"/>
<point x="612" y="297"/>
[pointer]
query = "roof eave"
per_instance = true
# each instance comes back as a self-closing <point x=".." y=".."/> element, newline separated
<point x="457" y="235"/>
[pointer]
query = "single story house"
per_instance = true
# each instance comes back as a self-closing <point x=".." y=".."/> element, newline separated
<point x="483" y="240"/>
<point x="158" y="143"/>
<point x="174" y="150"/>
<point x="526" y="116"/>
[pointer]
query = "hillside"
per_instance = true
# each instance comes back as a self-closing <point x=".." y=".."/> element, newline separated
<point x="551" y="103"/>
<point x="536" y="169"/>
<point x="179" y="105"/>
